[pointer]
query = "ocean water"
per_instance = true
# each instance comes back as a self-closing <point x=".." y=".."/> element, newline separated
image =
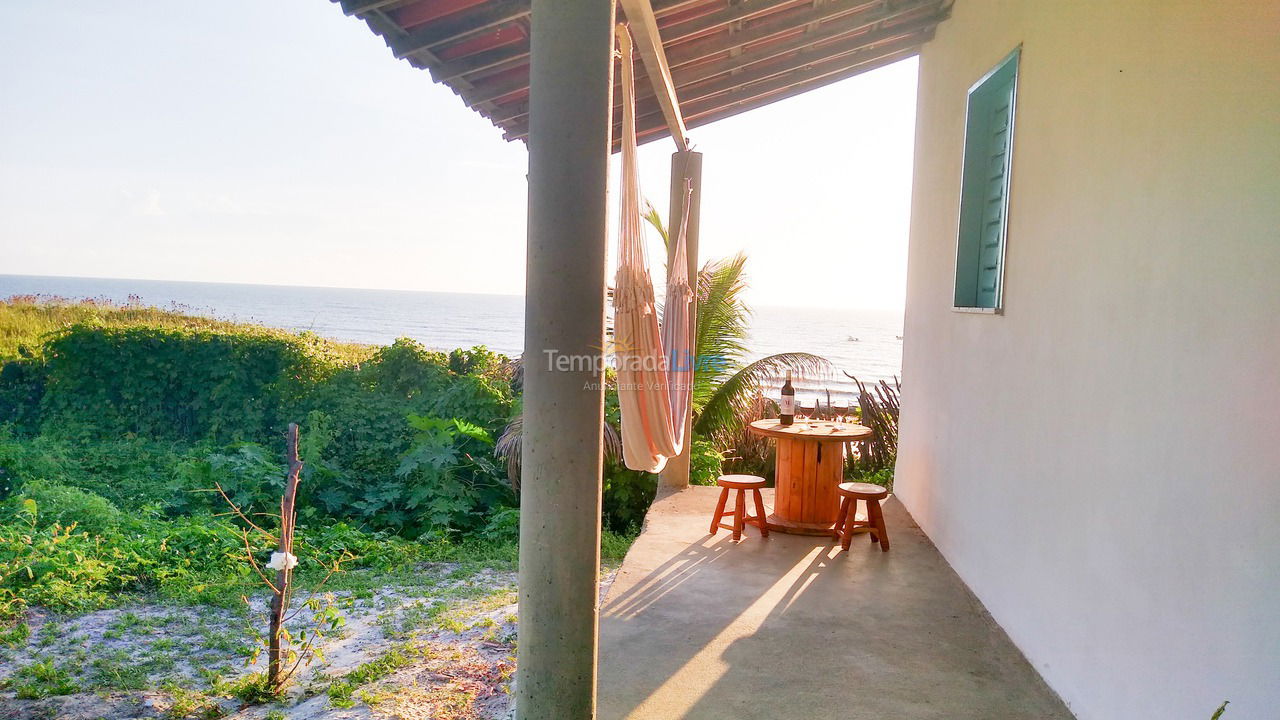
<point x="864" y="343"/>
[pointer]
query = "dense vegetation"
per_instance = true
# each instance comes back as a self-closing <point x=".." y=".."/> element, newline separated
<point x="117" y="422"/>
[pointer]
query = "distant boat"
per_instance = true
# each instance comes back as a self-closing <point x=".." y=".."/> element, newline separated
<point x="898" y="336"/>
<point x="853" y="339"/>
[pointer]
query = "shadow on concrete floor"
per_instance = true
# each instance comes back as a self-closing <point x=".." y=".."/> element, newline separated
<point x="697" y="626"/>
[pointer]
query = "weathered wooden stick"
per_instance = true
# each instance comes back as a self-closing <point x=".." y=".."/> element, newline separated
<point x="284" y="574"/>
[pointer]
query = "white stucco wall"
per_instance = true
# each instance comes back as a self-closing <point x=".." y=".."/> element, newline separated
<point x="1101" y="463"/>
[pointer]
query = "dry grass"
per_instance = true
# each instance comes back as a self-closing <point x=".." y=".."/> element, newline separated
<point x="452" y="683"/>
<point x="27" y="321"/>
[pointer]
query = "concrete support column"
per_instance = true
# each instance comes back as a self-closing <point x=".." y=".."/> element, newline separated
<point x="684" y="166"/>
<point x="571" y="81"/>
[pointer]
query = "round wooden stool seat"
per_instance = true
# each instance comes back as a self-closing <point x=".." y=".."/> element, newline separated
<point x="847" y="520"/>
<point x="864" y="491"/>
<point x="741" y="482"/>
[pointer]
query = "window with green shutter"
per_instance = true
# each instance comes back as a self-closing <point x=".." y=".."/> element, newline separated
<point x="984" y="189"/>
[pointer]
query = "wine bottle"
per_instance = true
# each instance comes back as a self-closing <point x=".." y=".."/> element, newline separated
<point x="787" y="403"/>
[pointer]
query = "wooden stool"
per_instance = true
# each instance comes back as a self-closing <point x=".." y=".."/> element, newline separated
<point x="850" y="494"/>
<point x="741" y="483"/>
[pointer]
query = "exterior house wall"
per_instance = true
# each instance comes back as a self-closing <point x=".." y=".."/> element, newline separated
<point x="1101" y="462"/>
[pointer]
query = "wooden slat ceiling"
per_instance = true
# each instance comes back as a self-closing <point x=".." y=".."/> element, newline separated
<point x="726" y="56"/>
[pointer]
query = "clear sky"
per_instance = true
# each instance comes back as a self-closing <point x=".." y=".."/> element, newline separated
<point x="280" y="142"/>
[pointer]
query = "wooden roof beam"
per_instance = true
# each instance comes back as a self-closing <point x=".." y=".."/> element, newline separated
<point x="644" y="31"/>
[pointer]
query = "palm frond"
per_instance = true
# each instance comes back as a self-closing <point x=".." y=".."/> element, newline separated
<point x="508" y="448"/>
<point x="726" y="394"/>
<point x="652" y="217"/>
<point x="730" y="404"/>
<point x="723" y="318"/>
<point x="612" y="443"/>
<point x="723" y="325"/>
<point x="511" y="443"/>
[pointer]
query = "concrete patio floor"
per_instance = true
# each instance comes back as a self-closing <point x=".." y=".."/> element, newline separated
<point x="699" y="627"/>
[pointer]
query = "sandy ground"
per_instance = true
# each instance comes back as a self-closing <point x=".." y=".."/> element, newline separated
<point x="456" y="634"/>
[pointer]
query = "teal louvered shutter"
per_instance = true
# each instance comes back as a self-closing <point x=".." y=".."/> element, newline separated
<point x="984" y="197"/>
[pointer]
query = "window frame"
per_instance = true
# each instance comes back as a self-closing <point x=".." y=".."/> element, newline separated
<point x="1014" y="57"/>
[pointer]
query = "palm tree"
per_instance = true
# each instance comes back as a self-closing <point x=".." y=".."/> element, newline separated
<point x="726" y="388"/>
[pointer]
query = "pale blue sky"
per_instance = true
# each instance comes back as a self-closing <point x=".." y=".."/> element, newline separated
<point x="280" y="142"/>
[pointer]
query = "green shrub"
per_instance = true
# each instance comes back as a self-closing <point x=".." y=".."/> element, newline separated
<point x="503" y="526"/>
<point x="55" y="566"/>
<point x="882" y="476"/>
<point x="705" y="462"/>
<point x="120" y="420"/>
<point x="22" y="385"/>
<point x="479" y="360"/>
<point x="449" y="478"/>
<point x="627" y="493"/>
<point x="403" y="442"/>
<point x="179" y="384"/>
<point x="197" y="559"/>
<point x="249" y="475"/>
<point x="132" y="473"/>
<point x="627" y="496"/>
<point x="22" y="461"/>
<point x="614" y="546"/>
<point x="406" y="370"/>
<point x="66" y="506"/>
<point x="325" y="542"/>
<point x="64" y="567"/>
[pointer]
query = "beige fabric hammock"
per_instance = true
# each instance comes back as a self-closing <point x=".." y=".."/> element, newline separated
<point x="655" y="367"/>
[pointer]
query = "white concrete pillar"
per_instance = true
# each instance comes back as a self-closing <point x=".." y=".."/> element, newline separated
<point x="684" y="166"/>
<point x="571" y="80"/>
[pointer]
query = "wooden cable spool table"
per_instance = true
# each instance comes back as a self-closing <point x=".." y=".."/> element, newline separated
<point x="810" y="465"/>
